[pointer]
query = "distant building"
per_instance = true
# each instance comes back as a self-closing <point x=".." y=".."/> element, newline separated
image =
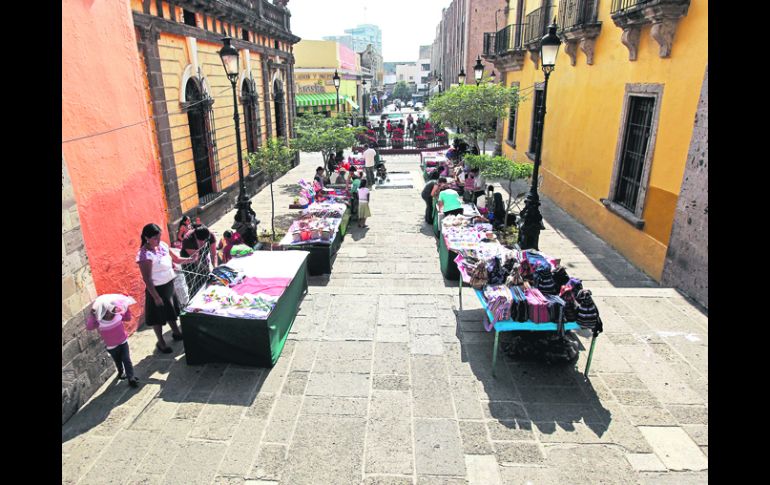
<point x="424" y="69"/>
<point x="359" y="37"/>
<point x="315" y="64"/>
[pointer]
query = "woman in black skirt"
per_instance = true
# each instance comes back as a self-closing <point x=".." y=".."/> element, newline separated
<point x="160" y="303"/>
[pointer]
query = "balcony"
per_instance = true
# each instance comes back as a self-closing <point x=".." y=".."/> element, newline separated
<point x="578" y="25"/>
<point x="536" y="26"/>
<point x="257" y="15"/>
<point x="505" y="48"/>
<point x="664" y="15"/>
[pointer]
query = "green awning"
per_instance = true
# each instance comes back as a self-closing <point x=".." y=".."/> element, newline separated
<point x="351" y="103"/>
<point x="321" y="99"/>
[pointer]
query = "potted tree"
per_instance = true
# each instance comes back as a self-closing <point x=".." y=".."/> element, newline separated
<point x="274" y="159"/>
<point x="501" y="168"/>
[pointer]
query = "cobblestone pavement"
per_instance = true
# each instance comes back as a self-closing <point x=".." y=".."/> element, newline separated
<point x="383" y="381"/>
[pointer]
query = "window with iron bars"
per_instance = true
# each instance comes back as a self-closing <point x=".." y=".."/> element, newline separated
<point x="634" y="151"/>
<point x="537" y="122"/>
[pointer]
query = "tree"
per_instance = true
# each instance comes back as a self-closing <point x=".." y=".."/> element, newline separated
<point x="328" y="135"/>
<point x="473" y="109"/>
<point x="500" y="167"/>
<point x="402" y="91"/>
<point x="274" y="159"/>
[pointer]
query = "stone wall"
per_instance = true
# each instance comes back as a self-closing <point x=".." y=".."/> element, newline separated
<point x="85" y="364"/>
<point x="687" y="259"/>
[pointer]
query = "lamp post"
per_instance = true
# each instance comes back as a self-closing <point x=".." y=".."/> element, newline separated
<point x="439" y="85"/>
<point x="478" y="70"/>
<point x="531" y="219"/>
<point x="461" y="76"/>
<point x="336" y="79"/>
<point x="245" y="219"/>
<point x="363" y="100"/>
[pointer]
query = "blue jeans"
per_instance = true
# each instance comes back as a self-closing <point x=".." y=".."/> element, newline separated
<point x="122" y="360"/>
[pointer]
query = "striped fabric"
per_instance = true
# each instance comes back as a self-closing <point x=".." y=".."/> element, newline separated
<point x="320" y="99"/>
<point x="538" y="306"/>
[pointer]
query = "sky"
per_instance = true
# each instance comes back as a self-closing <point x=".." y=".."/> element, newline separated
<point x="405" y="24"/>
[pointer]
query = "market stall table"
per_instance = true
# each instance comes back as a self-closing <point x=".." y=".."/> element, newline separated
<point x="219" y="330"/>
<point x="322" y="251"/>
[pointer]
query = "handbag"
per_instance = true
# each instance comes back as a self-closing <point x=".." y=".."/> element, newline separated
<point x="587" y="313"/>
<point x="479" y="275"/>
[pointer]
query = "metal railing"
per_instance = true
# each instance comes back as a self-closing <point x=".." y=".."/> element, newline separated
<point x="574" y="13"/>
<point x="623" y="5"/>
<point x="411" y="139"/>
<point x="508" y="39"/>
<point x="536" y="26"/>
<point x="273" y="14"/>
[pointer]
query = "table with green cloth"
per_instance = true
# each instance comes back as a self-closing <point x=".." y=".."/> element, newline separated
<point x="224" y="338"/>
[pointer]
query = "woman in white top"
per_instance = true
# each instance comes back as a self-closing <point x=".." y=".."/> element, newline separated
<point x="364" y="197"/>
<point x="160" y="303"/>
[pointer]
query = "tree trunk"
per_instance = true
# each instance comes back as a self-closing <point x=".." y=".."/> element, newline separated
<point x="272" y="213"/>
<point x="510" y="194"/>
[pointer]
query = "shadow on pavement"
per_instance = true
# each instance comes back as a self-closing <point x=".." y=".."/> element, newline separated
<point x="528" y="395"/>
<point x="191" y="386"/>
<point x="357" y="233"/>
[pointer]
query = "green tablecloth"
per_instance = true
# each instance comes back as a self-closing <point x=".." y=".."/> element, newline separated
<point x="213" y="338"/>
<point x="322" y="256"/>
<point x="436" y="226"/>
<point x="447" y="261"/>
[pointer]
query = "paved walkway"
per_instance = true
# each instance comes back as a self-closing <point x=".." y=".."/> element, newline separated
<point x="383" y="382"/>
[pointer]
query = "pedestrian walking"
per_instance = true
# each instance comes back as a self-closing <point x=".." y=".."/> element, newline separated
<point x="369" y="155"/>
<point x="107" y="316"/>
<point x="364" y="198"/>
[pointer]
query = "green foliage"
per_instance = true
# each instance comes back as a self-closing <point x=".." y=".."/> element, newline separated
<point x="402" y="91"/>
<point x="473" y="109"/>
<point x="328" y="135"/>
<point x="499" y="167"/>
<point x="273" y="158"/>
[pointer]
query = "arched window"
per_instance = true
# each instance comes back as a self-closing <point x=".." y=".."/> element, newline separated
<point x="200" y="135"/>
<point x="280" y="103"/>
<point x="251" y="115"/>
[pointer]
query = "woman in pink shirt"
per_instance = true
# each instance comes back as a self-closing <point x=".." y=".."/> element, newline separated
<point x="107" y="316"/>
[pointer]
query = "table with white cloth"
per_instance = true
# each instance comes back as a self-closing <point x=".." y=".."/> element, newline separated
<point x="220" y="325"/>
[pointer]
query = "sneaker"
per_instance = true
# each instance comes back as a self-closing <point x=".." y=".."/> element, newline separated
<point x="133" y="382"/>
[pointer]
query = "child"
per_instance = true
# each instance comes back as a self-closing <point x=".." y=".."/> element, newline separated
<point x="364" y="196"/>
<point x="107" y="315"/>
<point x="226" y="244"/>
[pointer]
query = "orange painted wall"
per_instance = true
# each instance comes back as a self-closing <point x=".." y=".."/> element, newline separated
<point x="116" y="176"/>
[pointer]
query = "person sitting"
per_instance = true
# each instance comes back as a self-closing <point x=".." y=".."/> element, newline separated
<point x="341" y="179"/>
<point x="225" y="245"/>
<point x="319" y="176"/>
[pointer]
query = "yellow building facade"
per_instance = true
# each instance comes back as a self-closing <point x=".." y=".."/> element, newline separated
<point x="192" y="98"/>
<point x="605" y="76"/>
<point x="315" y="64"/>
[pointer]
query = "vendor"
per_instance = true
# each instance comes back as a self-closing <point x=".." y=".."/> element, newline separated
<point x="204" y="243"/>
<point x="478" y="185"/>
<point x="319" y="176"/>
<point x="426" y="196"/>
<point x="340" y="180"/>
<point x="449" y="202"/>
<point x="355" y="183"/>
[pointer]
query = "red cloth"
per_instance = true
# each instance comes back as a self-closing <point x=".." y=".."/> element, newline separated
<point x="265" y="286"/>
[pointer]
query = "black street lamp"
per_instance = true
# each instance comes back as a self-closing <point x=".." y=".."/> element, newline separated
<point x="461" y="76"/>
<point x="478" y="70"/>
<point x="363" y="100"/>
<point x="245" y="219"/>
<point x="531" y="219"/>
<point x="336" y="79"/>
<point x="439" y="85"/>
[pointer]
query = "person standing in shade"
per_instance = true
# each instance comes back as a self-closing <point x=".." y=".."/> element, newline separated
<point x="369" y="155"/>
<point x="428" y="198"/>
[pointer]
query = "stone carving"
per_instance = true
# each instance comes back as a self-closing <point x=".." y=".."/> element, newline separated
<point x="630" y="39"/>
<point x="663" y="33"/>
<point x="587" y="46"/>
<point x="570" y="48"/>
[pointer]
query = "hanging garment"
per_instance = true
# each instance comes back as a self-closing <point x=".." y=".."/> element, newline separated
<point x="499" y="301"/>
<point x="537" y="306"/>
<point x="519" y="306"/>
